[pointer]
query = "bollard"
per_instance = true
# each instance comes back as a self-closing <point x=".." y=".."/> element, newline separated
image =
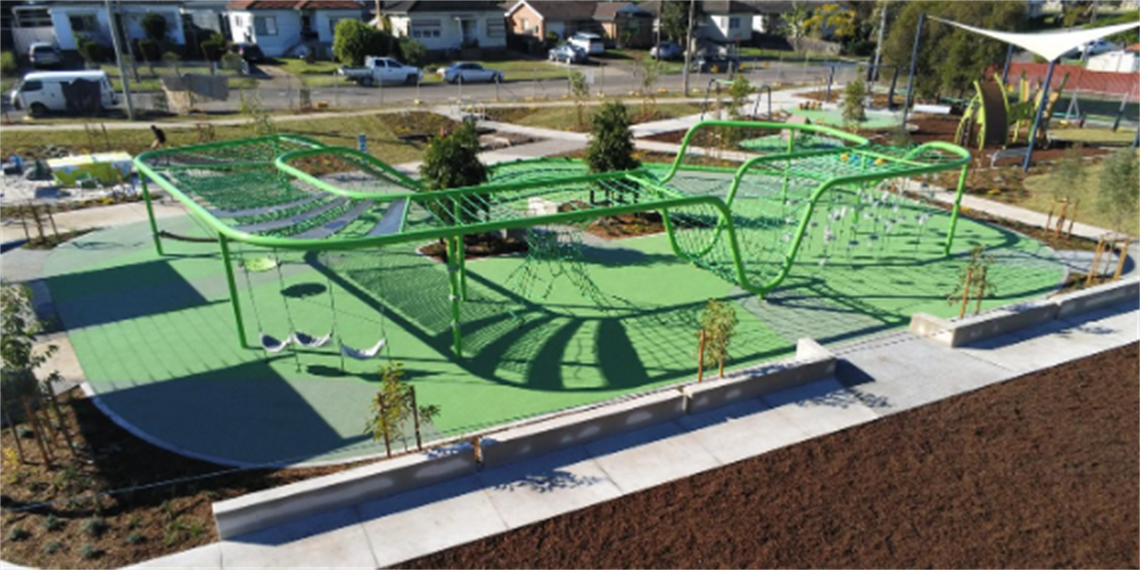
<point x="362" y="142"/>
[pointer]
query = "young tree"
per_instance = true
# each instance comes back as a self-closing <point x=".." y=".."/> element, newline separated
<point x="580" y="91"/>
<point x="718" y="326"/>
<point x="739" y="92"/>
<point x="452" y="161"/>
<point x="674" y="19"/>
<point x="852" y="107"/>
<point x="650" y="70"/>
<point x="393" y="406"/>
<point x="794" y="23"/>
<point x="214" y="47"/>
<point x="353" y="40"/>
<point x="973" y="281"/>
<point x="611" y="143"/>
<point x="154" y="26"/>
<point x="18" y="358"/>
<point x="1118" y="193"/>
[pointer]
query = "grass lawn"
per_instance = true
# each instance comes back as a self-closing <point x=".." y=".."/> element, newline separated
<point x="566" y="118"/>
<point x="1123" y="136"/>
<point x="322" y="73"/>
<point x="150" y="81"/>
<point x="316" y="74"/>
<point x="1043" y="187"/>
<point x="340" y="131"/>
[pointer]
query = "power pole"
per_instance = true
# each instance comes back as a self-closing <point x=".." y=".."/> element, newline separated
<point x="688" y="49"/>
<point x="879" y="39"/>
<point x="114" y="22"/>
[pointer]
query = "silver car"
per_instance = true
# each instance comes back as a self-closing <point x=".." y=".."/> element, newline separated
<point x="468" y="72"/>
<point x="44" y="54"/>
<point x="568" y="53"/>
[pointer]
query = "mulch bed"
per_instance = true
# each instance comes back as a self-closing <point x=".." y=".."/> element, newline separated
<point x="477" y="246"/>
<point x="1037" y="472"/>
<point x="80" y="531"/>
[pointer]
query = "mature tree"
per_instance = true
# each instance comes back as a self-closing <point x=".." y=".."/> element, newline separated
<point x="950" y="58"/>
<point x="154" y="26"/>
<point x="1118" y="195"/>
<point x="353" y="40"/>
<point x="832" y="21"/>
<point x="674" y="17"/>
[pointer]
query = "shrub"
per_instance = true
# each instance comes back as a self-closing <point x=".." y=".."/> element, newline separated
<point x="552" y="38"/>
<point x="52" y="522"/>
<point x="134" y="538"/>
<point x="452" y="161"/>
<point x="214" y="47"/>
<point x="90" y="50"/>
<point x="154" y="26"/>
<point x="8" y="64"/>
<point x="852" y="106"/>
<point x="611" y="143"/>
<point x="353" y="40"/>
<point x="94" y="526"/>
<point x="53" y="547"/>
<point x="88" y="551"/>
<point x="171" y="59"/>
<point x="17" y="533"/>
<point x="413" y="51"/>
<point x="1117" y="196"/>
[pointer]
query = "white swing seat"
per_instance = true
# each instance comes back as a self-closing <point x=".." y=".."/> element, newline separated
<point x="272" y="345"/>
<point x="366" y="354"/>
<point x="309" y="341"/>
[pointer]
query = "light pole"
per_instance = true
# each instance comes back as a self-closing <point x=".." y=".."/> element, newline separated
<point x="113" y="22"/>
<point x="688" y="49"/>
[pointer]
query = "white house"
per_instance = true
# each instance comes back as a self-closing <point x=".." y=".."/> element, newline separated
<point x="722" y="22"/>
<point x="279" y="27"/>
<point x="449" y="24"/>
<point x="1118" y="61"/>
<point x="90" y="19"/>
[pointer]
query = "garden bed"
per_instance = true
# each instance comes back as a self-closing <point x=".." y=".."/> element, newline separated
<point x="1041" y="471"/>
<point x="477" y="246"/>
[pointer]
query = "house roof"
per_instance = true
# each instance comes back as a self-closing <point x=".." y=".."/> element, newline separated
<point x="785" y="6"/>
<point x="708" y="7"/>
<point x="295" y="5"/>
<point x="607" y="11"/>
<point x="562" y="10"/>
<point x="1133" y="47"/>
<point x="406" y="6"/>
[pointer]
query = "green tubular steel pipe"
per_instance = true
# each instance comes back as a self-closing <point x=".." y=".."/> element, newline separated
<point x="150" y="217"/>
<point x="227" y="262"/>
<point x="957" y="207"/>
<point x="454" y="294"/>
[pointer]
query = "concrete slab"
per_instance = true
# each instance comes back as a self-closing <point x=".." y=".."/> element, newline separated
<point x="407" y="525"/>
<point x="821" y="407"/>
<point x="742" y="430"/>
<point x="206" y="557"/>
<point x="647" y="457"/>
<point x="910" y="371"/>
<point x="331" y="540"/>
<point x="537" y="489"/>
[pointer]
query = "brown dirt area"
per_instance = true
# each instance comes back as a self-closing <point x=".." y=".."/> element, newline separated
<point x="1041" y="471"/>
<point x="81" y="532"/>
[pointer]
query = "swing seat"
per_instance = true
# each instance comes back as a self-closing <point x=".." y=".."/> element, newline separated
<point x="272" y="345"/>
<point x="366" y="354"/>
<point x="309" y="341"/>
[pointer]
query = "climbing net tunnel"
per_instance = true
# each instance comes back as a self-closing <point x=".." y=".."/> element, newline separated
<point x="741" y="199"/>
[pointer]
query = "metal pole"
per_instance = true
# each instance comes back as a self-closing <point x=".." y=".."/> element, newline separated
<point x="913" y="65"/>
<point x="1005" y="68"/>
<point x="1037" y="118"/>
<point x="688" y="48"/>
<point x="233" y="289"/>
<point x="150" y="216"/>
<point x="830" y="80"/>
<point x="957" y="206"/>
<point x="879" y="39"/>
<point x="453" y="285"/>
<point x="119" y="59"/>
<point x="1136" y="141"/>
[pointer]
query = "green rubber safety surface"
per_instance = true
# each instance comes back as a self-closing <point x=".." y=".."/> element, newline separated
<point x="155" y="335"/>
<point x="834" y="117"/>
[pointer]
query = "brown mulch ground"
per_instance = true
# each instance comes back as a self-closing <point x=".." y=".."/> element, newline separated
<point x="1037" y="472"/>
<point x="78" y="531"/>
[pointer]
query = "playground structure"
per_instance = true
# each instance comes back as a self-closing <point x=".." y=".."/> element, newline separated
<point x="744" y="219"/>
<point x="713" y="95"/>
<point x="990" y="113"/>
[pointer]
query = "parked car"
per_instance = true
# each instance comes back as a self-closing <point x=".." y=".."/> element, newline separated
<point x="41" y="92"/>
<point x="666" y="50"/>
<point x="592" y="44"/>
<point x="715" y="63"/>
<point x="468" y="72"/>
<point x="568" y="53"/>
<point x="382" y="70"/>
<point x="44" y="54"/>
<point x="249" y="52"/>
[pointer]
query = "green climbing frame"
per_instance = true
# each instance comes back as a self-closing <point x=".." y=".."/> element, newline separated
<point x="720" y="199"/>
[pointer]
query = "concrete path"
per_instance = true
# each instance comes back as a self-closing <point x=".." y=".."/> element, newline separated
<point x="96" y="217"/>
<point x="876" y="377"/>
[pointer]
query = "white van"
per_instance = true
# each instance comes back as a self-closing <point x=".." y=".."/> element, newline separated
<point x="41" y="92"/>
<point x="592" y="44"/>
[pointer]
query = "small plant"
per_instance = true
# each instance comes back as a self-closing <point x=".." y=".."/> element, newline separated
<point x="94" y="526"/>
<point x="718" y="326"/>
<point x="88" y="551"/>
<point x="852" y="106"/>
<point x="259" y="119"/>
<point x="974" y="281"/>
<point x="17" y="533"/>
<point x="650" y="70"/>
<point x="394" y="405"/>
<point x="53" y="547"/>
<point x="134" y="522"/>
<point x="580" y="91"/>
<point x="739" y="92"/>
<point x="8" y="65"/>
<point x="134" y="538"/>
<point x="52" y="523"/>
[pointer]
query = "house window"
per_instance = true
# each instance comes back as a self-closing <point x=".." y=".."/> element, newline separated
<point x="734" y="23"/>
<point x="265" y="25"/>
<point x="84" y="23"/>
<point x="426" y="29"/>
<point x="496" y="28"/>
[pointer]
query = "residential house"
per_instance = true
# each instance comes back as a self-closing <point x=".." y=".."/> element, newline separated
<point x="284" y="27"/>
<point x="448" y="24"/>
<point x="1126" y="60"/>
<point x="623" y="23"/>
<point x="719" y="21"/>
<point x="72" y="20"/>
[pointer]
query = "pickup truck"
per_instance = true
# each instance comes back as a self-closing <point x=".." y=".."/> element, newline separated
<point x="382" y="70"/>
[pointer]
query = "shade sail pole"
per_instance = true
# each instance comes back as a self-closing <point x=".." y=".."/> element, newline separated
<point x="1037" y="117"/>
<point x="913" y="66"/>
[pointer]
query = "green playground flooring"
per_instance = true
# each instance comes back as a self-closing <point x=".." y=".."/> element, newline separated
<point x="156" y="339"/>
<point x="834" y="118"/>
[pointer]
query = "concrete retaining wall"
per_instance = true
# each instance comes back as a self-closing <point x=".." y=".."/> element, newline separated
<point x="261" y="510"/>
<point x="264" y="509"/>
<point x="1016" y="317"/>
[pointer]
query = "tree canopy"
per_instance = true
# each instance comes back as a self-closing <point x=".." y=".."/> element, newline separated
<point x="950" y="58"/>
<point x="611" y="146"/>
<point x="353" y="40"/>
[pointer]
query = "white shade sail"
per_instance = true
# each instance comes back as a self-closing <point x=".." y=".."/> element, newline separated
<point x="1049" y="45"/>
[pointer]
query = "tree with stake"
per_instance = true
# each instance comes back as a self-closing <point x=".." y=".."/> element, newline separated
<point x="580" y="91"/>
<point x="394" y="406"/>
<point x="18" y="359"/>
<point x="974" y="281"/>
<point x="718" y="326"/>
<point x="853" y="99"/>
<point x="650" y="70"/>
<point x="1118" y="196"/>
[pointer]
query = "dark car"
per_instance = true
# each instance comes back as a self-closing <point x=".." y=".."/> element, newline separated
<point x="249" y="52"/>
<point x="715" y="63"/>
